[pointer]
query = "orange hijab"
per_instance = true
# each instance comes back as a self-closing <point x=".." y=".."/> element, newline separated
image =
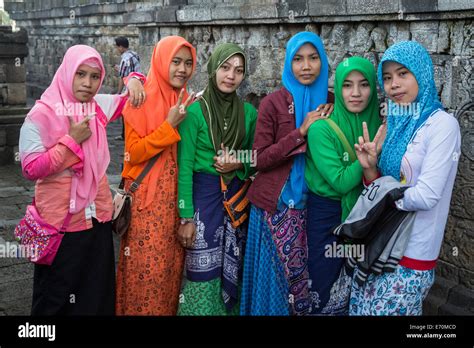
<point x="160" y="97"/>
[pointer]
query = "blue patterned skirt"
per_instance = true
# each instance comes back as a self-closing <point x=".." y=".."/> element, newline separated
<point x="398" y="293"/>
<point x="275" y="267"/>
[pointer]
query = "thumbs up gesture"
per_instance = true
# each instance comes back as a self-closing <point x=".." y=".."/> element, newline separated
<point x="80" y="131"/>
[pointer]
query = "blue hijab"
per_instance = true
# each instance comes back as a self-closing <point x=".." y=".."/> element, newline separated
<point x="401" y="126"/>
<point x="306" y="99"/>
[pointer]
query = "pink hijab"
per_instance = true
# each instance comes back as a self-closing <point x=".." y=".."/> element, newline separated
<point x="50" y="115"/>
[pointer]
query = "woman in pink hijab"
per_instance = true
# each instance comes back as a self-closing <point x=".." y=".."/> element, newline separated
<point x="63" y="146"/>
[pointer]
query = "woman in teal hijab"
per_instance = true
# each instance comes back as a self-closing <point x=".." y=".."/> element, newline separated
<point x="275" y="269"/>
<point x="217" y="125"/>
<point x="334" y="177"/>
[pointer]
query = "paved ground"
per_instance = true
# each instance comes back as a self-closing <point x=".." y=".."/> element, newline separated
<point x="15" y="193"/>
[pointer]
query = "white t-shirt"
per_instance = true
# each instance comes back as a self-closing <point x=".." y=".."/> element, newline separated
<point x="429" y="167"/>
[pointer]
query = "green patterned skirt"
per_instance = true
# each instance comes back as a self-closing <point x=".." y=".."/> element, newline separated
<point x="203" y="298"/>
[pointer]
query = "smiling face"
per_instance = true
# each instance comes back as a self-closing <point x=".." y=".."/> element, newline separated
<point x="181" y="68"/>
<point x="399" y="83"/>
<point x="306" y="64"/>
<point x="230" y="74"/>
<point x="355" y="92"/>
<point x="86" y="83"/>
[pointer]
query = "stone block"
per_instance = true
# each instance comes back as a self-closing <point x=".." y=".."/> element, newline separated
<point x="361" y="7"/>
<point x="16" y="94"/>
<point x="166" y="14"/>
<point x="461" y="297"/>
<point x="360" y="39"/>
<point x="291" y="11"/>
<point x="453" y="5"/>
<point x="258" y="11"/>
<point x="194" y="13"/>
<point x="419" y="6"/>
<point x="225" y="11"/>
<point x="15" y="73"/>
<point x="139" y="17"/>
<point x="318" y="8"/>
<point x="425" y="33"/>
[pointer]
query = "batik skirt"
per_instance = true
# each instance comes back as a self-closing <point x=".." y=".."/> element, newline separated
<point x="396" y="293"/>
<point x="275" y="267"/>
<point x="214" y="263"/>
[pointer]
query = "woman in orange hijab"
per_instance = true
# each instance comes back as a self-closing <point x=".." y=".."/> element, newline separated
<point x="151" y="257"/>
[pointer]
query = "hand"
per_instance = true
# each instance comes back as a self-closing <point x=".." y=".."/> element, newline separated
<point x="226" y="163"/>
<point x="178" y="112"/>
<point x="136" y="92"/>
<point x="367" y="151"/>
<point x="321" y="112"/>
<point x="80" y="131"/>
<point x="187" y="234"/>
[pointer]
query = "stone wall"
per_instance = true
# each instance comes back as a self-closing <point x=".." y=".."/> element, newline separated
<point x="13" y="50"/>
<point x="347" y="27"/>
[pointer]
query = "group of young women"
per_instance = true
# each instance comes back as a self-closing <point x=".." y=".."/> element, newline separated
<point x="315" y="150"/>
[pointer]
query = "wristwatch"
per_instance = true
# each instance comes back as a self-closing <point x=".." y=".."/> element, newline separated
<point x="185" y="221"/>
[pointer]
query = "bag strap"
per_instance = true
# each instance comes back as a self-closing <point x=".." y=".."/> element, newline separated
<point x="342" y="138"/>
<point x="134" y="186"/>
<point x="66" y="222"/>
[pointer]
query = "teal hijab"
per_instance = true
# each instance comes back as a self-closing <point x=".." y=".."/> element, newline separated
<point x="306" y="98"/>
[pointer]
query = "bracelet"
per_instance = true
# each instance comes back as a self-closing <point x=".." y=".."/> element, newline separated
<point x="185" y="221"/>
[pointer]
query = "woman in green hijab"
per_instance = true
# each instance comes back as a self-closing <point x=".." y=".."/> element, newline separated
<point x="334" y="177"/>
<point x="217" y="128"/>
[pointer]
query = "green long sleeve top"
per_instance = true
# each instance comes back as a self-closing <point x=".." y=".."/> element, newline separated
<point x="329" y="171"/>
<point x="196" y="153"/>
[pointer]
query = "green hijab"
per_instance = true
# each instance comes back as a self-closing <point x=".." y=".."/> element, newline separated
<point x="351" y="123"/>
<point x="223" y="112"/>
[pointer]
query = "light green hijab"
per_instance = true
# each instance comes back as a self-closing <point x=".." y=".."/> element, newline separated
<point x="221" y="108"/>
<point x="351" y="123"/>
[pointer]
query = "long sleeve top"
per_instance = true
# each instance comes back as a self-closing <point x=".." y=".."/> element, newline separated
<point x="196" y="153"/>
<point x="53" y="171"/>
<point x="429" y="167"/>
<point x="277" y="141"/>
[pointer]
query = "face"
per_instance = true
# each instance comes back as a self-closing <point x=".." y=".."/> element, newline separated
<point x="399" y="83"/>
<point x="230" y="75"/>
<point x="181" y="68"/>
<point x="306" y="64"/>
<point x="355" y="92"/>
<point x="120" y="49"/>
<point x="86" y="83"/>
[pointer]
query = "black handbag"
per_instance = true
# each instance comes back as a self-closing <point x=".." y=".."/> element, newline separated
<point x="123" y="200"/>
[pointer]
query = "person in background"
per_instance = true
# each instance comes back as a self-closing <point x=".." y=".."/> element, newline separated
<point x="129" y="63"/>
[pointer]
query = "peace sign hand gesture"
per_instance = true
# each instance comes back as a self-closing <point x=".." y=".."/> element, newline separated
<point x="178" y="112"/>
<point x="367" y="151"/>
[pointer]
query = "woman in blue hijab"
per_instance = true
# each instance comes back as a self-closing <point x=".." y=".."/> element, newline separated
<point x="275" y="265"/>
<point x="421" y="149"/>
